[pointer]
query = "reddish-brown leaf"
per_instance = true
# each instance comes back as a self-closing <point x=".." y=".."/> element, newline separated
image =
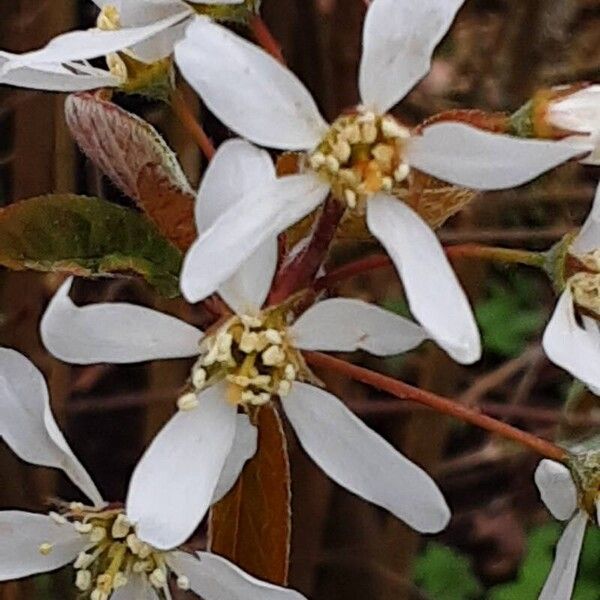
<point x="120" y="143"/>
<point x="251" y="526"/>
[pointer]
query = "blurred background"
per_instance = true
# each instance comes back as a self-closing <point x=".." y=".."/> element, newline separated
<point x="499" y="544"/>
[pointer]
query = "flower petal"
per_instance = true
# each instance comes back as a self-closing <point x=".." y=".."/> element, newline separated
<point x="399" y="37"/>
<point x="570" y="346"/>
<point x="113" y="332"/>
<point x="27" y="424"/>
<point x="346" y="324"/>
<point x="137" y="588"/>
<point x="557" y="489"/>
<point x="363" y="462"/>
<point x="214" y="578"/>
<point x="434" y="295"/>
<point x="22" y="533"/>
<point x="56" y="78"/>
<point x="237" y="169"/>
<point x="175" y="480"/>
<point x="588" y="238"/>
<point x="248" y="89"/>
<point x="560" y="582"/>
<point x="477" y="159"/>
<point x="243" y="448"/>
<point x="258" y="217"/>
<point x="83" y="45"/>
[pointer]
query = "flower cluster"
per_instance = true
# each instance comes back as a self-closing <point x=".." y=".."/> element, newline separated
<point x="366" y="163"/>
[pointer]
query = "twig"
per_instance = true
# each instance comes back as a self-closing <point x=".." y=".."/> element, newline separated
<point x="265" y="38"/>
<point x="442" y="405"/>
<point x="188" y="120"/>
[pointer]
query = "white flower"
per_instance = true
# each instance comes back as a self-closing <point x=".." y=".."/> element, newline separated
<point x="110" y="559"/>
<point x="572" y="338"/>
<point x="365" y="158"/>
<point x="250" y="358"/>
<point x="146" y="28"/>
<point x="579" y="112"/>
<point x="559" y="494"/>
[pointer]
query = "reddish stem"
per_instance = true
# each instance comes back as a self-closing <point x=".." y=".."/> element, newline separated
<point x="300" y="271"/>
<point x="265" y="38"/>
<point x="189" y="121"/>
<point x="376" y="261"/>
<point x="438" y="403"/>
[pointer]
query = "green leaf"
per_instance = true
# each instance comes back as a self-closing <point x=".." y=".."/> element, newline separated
<point x="507" y="318"/>
<point x="445" y="574"/>
<point x="87" y="237"/>
<point x="538" y="561"/>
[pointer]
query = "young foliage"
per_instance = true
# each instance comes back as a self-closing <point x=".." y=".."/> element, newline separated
<point x="88" y="237"/>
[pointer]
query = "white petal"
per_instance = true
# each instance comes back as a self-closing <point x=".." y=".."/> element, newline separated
<point x="557" y="488"/>
<point x="214" y="578"/>
<point x="588" y="238"/>
<point x="247" y="289"/>
<point x="83" y="45"/>
<point x="577" y="112"/>
<point x="363" y="462"/>
<point x="174" y="482"/>
<point x="137" y="588"/>
<point x="160" y="45"/>
<point x="113" y="332"/>
<point x="22" y="533"/>
<point x="236" y="170"/>
<point x="258" y="217"/>
<point x="243" y="448"/>
<point x="346" y="324"/>
<point x="434" y="295"/>
<point x="55" y="78"/>
<point x="399" y="37"/>
<point x="27" y="424"/>
<point x="560" y="582"/>
<point x="248" y="89"/>
<point x="570" y="346"/>
<point x="477" y="159"/>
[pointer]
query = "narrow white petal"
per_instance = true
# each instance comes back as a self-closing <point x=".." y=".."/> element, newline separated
<point x="560" y="582"/>
<point x="214" y="578"/>
<point x="248" y="89"/>
<point x="571" y="346"/>
<point x="577" y="112"/>
<point x="113" y="332"/>
<point x="243" y="449"/>
<point x="588" y="238"/>
<point x="363" y="462"/>
<point x="216" y="1"/>
<point x="28" y="426"/>
<point x="247" y="289"/>
<point x="162" y="44"/>
<point x="22" y="533"/>
<point x="557" y="488"/>
<point x="174" y="482"/>
<point x="434" y="294"/>
<point x="83" y="45"/>
<point x="133" y="13"/>
<point x="399" y="37"/>
<point x="237" y="169"/>
<point x="346" y="324"/>
<point x="258" y="217"/>
<point x="55" y="78"/>
<point x="478" y="159"/>
<point x="137" y="588"/>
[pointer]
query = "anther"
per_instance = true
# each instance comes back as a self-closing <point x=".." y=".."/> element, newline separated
<point x="350" y="197"/>
<point x="332" y="163"/>
<point x="273" y="356"/>
<point x="158" y="578"/>
<point x="248" y="341"/>
<point x="198" y="377"/>
<point x="187" y="402"/>
<point x="83" y="580"/>
<point x="401" y="172"/>
<point x="46" y="548"/>
<point x="273" y="336"/>
<point x="82" y="527"/>
<point x="183" y="582"/>
<point x="392" y="129"/>
<point x="97" y="534"/>
<point x="120" y="527"/>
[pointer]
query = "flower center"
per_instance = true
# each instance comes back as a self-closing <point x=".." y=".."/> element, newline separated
<point x="363" y="154"/>
<point x="114" y="553"/>
<point x="253" y="354"/>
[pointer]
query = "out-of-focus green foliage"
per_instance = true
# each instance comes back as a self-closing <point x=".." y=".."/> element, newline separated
<point x="538" y="561"/>
<point x="445" y="574"/>
<point x="510" y="316"/>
